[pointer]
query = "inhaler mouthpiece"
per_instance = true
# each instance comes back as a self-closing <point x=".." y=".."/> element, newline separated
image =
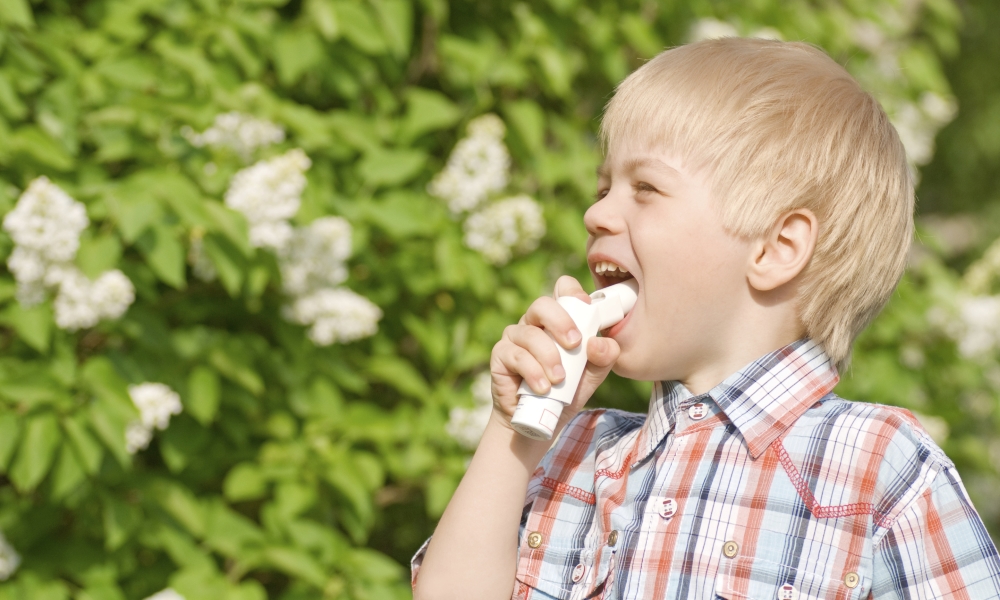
<point x="537" y="416"/>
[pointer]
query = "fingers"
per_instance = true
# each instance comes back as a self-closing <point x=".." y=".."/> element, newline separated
<point x="569" y="286"/>
<point x="541" y="348"/>
<point x="516" y="360"/>
<point x="548" y="315"/>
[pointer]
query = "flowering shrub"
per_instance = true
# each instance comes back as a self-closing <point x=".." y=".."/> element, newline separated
<point x="258" y="252"/>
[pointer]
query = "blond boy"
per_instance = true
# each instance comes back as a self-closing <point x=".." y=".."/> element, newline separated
<point x="761" y="200"/>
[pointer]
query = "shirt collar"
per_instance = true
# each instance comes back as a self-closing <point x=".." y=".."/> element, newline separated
<point x="761" y="400"/>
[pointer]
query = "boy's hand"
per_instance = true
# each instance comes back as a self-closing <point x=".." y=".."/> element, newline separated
<point x="526" y="352"/>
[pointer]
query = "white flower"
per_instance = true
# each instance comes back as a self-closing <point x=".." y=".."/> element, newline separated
<point x="156" y="402"/>
<point x="112" y="293"/>
<point x="918" y="124"/>
<point x="47" y="221"/>
<point x="477" y="167"/>
<point x="242" y="132"/>
<point x="512" y="225"/>
<point x="137" y="436"/>
<point x="201" y="265"/>
<point x="314" y="256"/>
<point x="466" y="425"/>
<point x="167" y="594"/>
<point x="268" y="193"/>
<point x="336" y="315"/>
<point x="10" y="560"/>
<point x="73" y="306"/>
<point x="710" y="29"/>
<point x="82" y="303"/>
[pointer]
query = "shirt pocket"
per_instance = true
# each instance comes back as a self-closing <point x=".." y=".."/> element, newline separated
<point x="561" y="570"/>
<point x="753" y="578"/>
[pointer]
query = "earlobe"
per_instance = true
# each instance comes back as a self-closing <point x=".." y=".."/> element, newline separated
<point x="785" y="251"/>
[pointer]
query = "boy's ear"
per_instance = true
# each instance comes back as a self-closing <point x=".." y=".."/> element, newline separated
<point x="783" y="253"/>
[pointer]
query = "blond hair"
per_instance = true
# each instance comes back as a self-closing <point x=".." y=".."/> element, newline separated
<point x="780" y="126"/>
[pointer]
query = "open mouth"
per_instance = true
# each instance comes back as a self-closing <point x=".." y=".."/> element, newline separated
<point x="608" y="273"/>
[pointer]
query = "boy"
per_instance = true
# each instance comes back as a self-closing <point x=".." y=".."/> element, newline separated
<point x="761" y="200"/>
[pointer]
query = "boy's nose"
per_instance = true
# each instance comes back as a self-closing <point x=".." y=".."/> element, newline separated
<point x="605" y="216"/>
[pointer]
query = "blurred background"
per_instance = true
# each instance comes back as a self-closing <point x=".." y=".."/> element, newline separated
<point x="256" y="254"/>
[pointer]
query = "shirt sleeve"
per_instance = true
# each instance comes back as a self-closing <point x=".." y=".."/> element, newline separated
<point x="937" y="547"/>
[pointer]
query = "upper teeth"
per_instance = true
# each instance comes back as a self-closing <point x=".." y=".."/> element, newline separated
<point x="609" y="268"/>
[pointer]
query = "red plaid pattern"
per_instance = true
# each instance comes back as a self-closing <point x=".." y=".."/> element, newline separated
<point x="782" y="490"/>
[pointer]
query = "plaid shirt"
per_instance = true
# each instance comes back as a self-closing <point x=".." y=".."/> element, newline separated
<point x="767" y="487"/>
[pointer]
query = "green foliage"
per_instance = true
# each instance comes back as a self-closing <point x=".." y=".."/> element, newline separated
<point x="298" y="471"/>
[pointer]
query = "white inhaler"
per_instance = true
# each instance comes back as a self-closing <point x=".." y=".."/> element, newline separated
<point x="536" y="416"/>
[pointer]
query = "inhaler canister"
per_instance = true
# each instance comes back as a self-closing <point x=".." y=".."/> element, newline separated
<point x="536" y="416"/>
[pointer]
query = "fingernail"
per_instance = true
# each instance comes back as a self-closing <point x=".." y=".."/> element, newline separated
<point x="574" y="336"/>
<point x="558" y="372"/>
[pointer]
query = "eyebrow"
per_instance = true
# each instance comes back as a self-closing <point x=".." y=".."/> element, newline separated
<point x="635" y="163"/>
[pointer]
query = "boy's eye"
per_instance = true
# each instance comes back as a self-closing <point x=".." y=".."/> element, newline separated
<point x="600" y="194"/>
<point x="642" y="186"/>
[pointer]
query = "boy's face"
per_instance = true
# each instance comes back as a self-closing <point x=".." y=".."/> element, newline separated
<point x="656" y="217"/>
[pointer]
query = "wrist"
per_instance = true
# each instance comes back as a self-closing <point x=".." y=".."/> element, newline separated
<point x="499" y="432"/>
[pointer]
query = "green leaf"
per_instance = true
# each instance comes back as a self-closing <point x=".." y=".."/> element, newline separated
<point x="16" y="12"/>
<point x="109" y="420"/>
<point x="400" y="374"/>
<point x="100" y="375"/>
<point x="232" y="225"/>
<point x="202" y="399"/>
<point x="164" y="255"/>
<point x="323" y="17"/>
<point x="528" y="121"/>
<point x="33" y="325"/>
<point x="296" y="52"/>
<point x="403" y="214"/>
<point x="427" y="110"/>
<point x="10" y="433"/>
<point x="98" y="253"/>
<point x="391" y="167"/>
<point x="297" y="563"/>
<point x="33" y="142"/>
<point x="230" y="364"/>
<point x="229" y="263"/>
<point x="182" y="506"/>
<point x="359" y="27"/>
<point x="88" y="450"/>
<point x="37" y="451"/>
<point x="440" y="489"/>
<point x="120" y="521"/>
<point x="244" y="482"/>
<point x="397" y="24"/>
<point x="68" y="473"/>
<point x="134" y="214"/>
<point x="229" y="532"/>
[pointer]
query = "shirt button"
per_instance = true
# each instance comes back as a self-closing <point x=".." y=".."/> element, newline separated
<point x="852" y="580"/>
<point x="730" y="549"/>
<point x="698" y="411"/>
<point x="788" y="592"/>
<point x="667" y="508"/>
<point x="534" y="539"/>
<point x="613" y="537"/>
<point x="578" y="573"/>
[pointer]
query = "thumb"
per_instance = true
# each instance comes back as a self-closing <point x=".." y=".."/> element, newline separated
<point x="602" y="354"/>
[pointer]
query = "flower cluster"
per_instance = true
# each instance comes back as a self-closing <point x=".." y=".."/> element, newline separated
<point x="45" y="225"/>
<point x="314" y="256"/>
<point x="466" y="425"/>
<point x="10" y="560"/>
<point x="508" y="226"/>
<point x="918" y="123"/>
<point x="156" y="402"/>
<point x="268" y="194"/>
<point x="239" y="131"/>
<point x="478" y="168"/>
<point x="336" y="315"/>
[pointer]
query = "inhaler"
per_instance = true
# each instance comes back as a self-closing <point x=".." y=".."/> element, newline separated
<point x="536" y="416"/>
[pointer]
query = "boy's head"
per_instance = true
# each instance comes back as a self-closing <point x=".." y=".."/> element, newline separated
<point x="764" y="129"/>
